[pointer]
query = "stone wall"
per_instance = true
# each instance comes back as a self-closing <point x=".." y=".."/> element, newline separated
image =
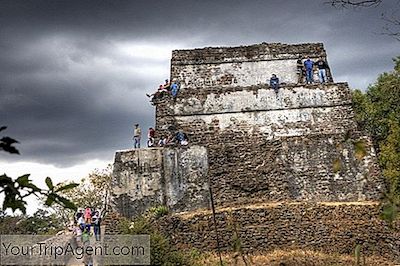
<point x="212" y="100"/>
<point x="185" y="172"/>
<point x="326" y="227"/>
<point x="175" y="177"/>
<point x="256" y="52"/>
<point x="295" y="161"/>
<point x="137" y="180"/>
<point x="301" y="144"/>
<point x="241" y="66"/>
<point x="296" y="110"/>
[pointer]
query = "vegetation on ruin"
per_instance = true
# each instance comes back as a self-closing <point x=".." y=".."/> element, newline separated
<point x="159" y="211"/>
<point x="378" y="112"/>
<point x="162" y="252"/>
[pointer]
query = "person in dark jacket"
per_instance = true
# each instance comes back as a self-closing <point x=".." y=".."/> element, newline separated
<point x="96" y="219"/>
<point x="322" y="67"/>
<point x="300" y="71"/>
<point x="274" y="83"/>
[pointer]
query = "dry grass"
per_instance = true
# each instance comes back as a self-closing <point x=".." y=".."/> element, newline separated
<point x="291" y="258"/>
<point x="261" y="205"/>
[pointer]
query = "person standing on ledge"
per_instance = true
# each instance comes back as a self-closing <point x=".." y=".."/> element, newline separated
<point x="322" y="67"/>
<point x="309" y="65"/>
<point x="150" y="137"/>
<point x="274" y="83"/>
<point x="300" y="71"/>
<point x="174" y="88"/>
<point x="137" y="132"/>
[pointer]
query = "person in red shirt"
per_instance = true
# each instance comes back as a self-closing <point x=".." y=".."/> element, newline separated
<point x="150" y="137"/>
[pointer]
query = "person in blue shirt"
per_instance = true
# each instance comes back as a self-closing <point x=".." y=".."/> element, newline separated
<point x="174" y="89"/>
<point x="309" y="65"/>
<point x="274" y="83"/>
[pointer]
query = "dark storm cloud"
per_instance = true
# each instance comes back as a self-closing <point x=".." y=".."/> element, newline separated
<point x="73" y="74"/>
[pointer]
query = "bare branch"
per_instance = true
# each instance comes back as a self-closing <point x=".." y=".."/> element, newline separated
<point x="354" y="3"/>
<point x="392" y="22"/>
<point x="392" y="25"/>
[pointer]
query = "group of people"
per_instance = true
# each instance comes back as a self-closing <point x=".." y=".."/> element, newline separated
<point x="305" y="69"/>
<point x="166" y="88"/>
<point x="84" y="221"/>
<point x="179" y="137"/>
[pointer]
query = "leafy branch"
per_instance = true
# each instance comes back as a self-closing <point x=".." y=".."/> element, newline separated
<point x="6" y="143"/>
<point x="17" y="191"/>
<point x="377" y="111"/>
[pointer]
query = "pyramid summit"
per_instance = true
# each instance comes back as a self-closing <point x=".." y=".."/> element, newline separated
<point x="293" y="152"/>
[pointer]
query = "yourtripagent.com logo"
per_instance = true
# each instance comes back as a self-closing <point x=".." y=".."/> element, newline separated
<point x="69" y="250"/>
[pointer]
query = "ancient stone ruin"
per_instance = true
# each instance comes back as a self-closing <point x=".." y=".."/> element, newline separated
<point x="290" y="170"/>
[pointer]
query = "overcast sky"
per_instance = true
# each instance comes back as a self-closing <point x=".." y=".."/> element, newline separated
<point x="73" y="74"/>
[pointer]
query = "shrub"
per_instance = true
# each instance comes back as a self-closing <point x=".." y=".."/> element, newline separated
<point x="162" y="252"/>
<point x="158" y="211"/>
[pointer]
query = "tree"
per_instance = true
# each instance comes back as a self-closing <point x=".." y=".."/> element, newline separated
<point x="41" y="222"/>
<point x="378" y="112"/>
<point x="16" y="191"/>
<point x="93" y="191"/>
<point x="379" y="106"/>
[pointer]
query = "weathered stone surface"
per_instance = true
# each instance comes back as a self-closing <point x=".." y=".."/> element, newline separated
<point x="214" y="100"/>
<point x="175" y="177"/>
<point x="276" y="155"/>
<point x="327" y="227"/>
<point x="138" y="181"/>
<point x="185" y="172"/>
<point x="241" y="66"/>
<point x="299" y="145"/>
<point x="263" y="51"/>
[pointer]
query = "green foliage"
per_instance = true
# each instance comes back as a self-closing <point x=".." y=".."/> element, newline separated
<point x="93" y="191"/>
<point x="390" y="155"/>
<point x="390" y="208"/>
<point x="158" y="211"/>
<point x="161" y="251"/>
<point x="360" y="149"/>
<point x="7" y="143"/>
<point x="236" y="241"/>
<point x="357" y="254"/>
<point x="16" y="191"/>
<point x="378" y="112"/>
<point x="379" y="105"/>
<point x="41" y="222"/>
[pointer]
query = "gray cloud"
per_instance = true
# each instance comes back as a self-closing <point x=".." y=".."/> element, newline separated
<point x="73" y="74"/>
